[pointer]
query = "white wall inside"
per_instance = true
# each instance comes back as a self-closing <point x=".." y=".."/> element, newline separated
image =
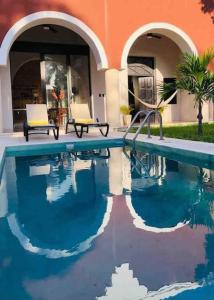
<point x="188" y="113"/>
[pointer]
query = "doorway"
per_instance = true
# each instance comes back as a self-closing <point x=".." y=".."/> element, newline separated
<point x="49" y="64"/>
<point x="25" y="90"/>
<point x="55" y="79"/>
<point x="141" y="82"/>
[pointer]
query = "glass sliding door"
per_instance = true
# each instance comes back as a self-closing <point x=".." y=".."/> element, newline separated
<point x="65" y="79"/>
<point x="26" y="88"/>
<point x="55" y="85"/>
<point x="80" y="79"/>
<point x="53" y="79"/>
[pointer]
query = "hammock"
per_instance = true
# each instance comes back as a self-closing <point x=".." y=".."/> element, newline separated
<point x="155" y="106"/>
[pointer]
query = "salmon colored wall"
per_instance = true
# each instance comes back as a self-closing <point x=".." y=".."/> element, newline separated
<point x="114" y="21"/>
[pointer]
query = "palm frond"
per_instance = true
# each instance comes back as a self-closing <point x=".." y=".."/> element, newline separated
<point x="206" y="58"/>
<point x="165" y="90"/>
<point x="194" y="77"/>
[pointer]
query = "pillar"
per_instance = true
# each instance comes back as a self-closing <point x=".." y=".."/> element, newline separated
<point x="6" y="99"/>
<point x="116" y="95"/>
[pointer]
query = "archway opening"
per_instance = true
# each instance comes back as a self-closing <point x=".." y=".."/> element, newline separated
<point x="47" y="58"/>
<point x="152" y="60"/>
<point x="150" y="57"/>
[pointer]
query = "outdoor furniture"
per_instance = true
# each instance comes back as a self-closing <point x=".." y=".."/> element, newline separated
<point x="97" y="154"/>
<point x="82" y="121"/>
<point x="37" y="121"/>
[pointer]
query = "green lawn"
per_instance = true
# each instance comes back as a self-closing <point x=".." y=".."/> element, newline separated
<point x="186" y="132"/>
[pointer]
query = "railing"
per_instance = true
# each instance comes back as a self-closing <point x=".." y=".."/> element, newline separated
<point x="147" y="119"/>
<point x="149" y="166"/>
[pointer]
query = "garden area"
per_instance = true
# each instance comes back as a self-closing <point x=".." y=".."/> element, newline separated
<point x="195" y="77"/>
<point x="186" y="132"/>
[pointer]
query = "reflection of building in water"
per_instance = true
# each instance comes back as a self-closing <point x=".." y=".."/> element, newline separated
<point x="151" y="259"/>
<point x="125" y="286"/>
<point x="3" y="193"/>
<point x="146" y="169"/>
<point x="115" y="172"/>
<point x="156" y="201"/>
<point x="75" y="191"/>
<point x="207" y="270"/>
<point x="82" y="219"/>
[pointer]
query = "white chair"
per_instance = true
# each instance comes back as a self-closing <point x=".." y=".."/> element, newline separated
<point x="82" y="121"/>
<point x="37" y="121"/>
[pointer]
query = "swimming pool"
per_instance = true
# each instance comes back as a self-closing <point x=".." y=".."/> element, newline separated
<point x="108" y="223"/>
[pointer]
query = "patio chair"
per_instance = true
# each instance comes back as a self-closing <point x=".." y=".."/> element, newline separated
<point x="37" y="121"/>
<point x="82" y="121"/>
<point x="96" y="154"/>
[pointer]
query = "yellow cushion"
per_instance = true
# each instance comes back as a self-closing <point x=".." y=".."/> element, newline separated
<point x="37" y="122"/>
<point x="85" y="121"/>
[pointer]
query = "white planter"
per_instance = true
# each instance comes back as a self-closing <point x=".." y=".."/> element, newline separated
<point x="127" y="120"/>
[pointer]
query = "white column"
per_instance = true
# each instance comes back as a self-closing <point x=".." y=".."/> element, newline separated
<point x="6" y="99"/>
<point x="98" y="91"/>
<point x="123" y="87"/>
<point x="116" y="94"/>
<point x="1" y="110"/>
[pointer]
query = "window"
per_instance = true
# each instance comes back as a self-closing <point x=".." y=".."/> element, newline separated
<point x="171" y="80"/>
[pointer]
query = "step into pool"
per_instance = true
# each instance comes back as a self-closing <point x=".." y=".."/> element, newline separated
<point x="106" y="224"/>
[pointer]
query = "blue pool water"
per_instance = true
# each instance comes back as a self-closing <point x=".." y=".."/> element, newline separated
<point x="106" y="224"/>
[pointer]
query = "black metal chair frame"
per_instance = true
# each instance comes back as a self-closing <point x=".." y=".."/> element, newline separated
<point x="80" y="128"/>
<point x="40" y="130"/>
<point x="90" y="154"/>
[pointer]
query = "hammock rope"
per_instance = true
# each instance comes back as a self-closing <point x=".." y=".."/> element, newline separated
<point x="154" y="106"/>
<point x="162" y="103"/>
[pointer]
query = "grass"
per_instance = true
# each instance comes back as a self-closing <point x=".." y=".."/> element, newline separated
<point x="186" y="132"/>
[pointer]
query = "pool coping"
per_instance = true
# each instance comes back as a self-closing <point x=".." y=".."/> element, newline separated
<point x="197" y="150"/>
<point x="47" y="146"/>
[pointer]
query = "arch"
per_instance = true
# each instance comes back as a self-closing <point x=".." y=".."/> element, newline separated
<point x="56" y="18"/>
<point x="82" y="247"/>
<point x="177" y="35"/>
<point x="21" y="65"/>
<point x="140" y="223"/>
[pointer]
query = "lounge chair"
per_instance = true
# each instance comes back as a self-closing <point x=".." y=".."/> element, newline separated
<point x="82" y="121"/>
<point x="37" y="121"/>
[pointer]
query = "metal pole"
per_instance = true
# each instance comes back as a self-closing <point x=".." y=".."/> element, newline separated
<point x="133" y="121"/>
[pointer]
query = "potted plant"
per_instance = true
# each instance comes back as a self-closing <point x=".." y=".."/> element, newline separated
<point x="58" y="95"/>
<point x="126" y="112"/>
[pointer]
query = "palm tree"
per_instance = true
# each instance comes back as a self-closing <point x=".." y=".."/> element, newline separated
<point x="194" y="77"/>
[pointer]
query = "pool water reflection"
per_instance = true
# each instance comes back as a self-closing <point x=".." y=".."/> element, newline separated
<point x="106" y="224"/>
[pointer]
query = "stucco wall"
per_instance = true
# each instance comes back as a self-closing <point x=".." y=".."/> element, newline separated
<point x="114" y="21"/>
